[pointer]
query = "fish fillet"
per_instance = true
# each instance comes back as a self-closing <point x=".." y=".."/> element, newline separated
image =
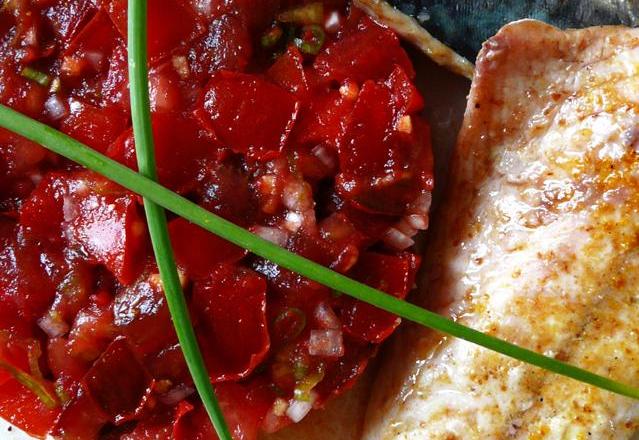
<point x="537" y="243"/>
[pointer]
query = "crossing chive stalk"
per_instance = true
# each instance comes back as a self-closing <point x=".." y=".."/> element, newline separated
<point x="156" y="217"/>
<point x="73" y="150"/>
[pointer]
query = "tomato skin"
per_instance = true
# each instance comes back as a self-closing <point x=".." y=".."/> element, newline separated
<point x="142" y="315"/>
<point x="232" y="102"/>
<point x="22" y="408"/>
<point x="170" y="23"/>
<point x="198" y="251"/>
<point x="244" y="292"/>
<point x="119" y="383"/>
<point x="95" y="127"/>
<point x="180" y="145"/>
<point x="375" y="177"/>
<point x="288" y="72"/>
<point x="226" y="45"/>
<point x="392" y="274"/>
<point x="112" y="232"/>
<point x="244" y="407"/>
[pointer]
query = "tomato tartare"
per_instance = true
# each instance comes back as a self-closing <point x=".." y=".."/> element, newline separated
<point x="296" y="120"/>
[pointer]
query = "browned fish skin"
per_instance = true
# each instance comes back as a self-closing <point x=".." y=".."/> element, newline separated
<point x="537" y="244"/>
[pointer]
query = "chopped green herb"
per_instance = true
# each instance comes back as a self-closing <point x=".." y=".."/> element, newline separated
<point x="36" y="386"/>
<point x="312" y="39"/>
<point x="305" y="386"/>
<point x="271" y="37"/>
<point x="35" y="75"/>
<point x="312" y="13"/>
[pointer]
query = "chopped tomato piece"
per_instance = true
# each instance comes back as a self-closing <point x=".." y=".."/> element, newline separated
<point x="244" y="292"/>
<point x="170" y="24"/>
<point x="180" y="144"/>
<point x="26" y="290"/>
<point x="342" y="374"/>
<point x="141" y="313"/>
<point x="256" y="18"/>
<point x="95" y="127"/>
<point x="323" y="120"/>
<point x="94" y="66"/>
<point x="119" y="383"/>
<point x="392" y="274"/>
<point x="19" y="93"/>
<point x="224" y="188"/>
<point x="288" y="71"/>
<point x="244" y="407"/>
<point x="68" y="17"/>
<point x="226" y="45"/>
<point x="91" y="332"/>
<point x="45" y="201"/>
<point x="382" y="161"/>
<point x="81" y="418"/>
<point x="111" y="231"/>
<point x="235" y="102"/>
<point x="406" y="97"/>
<point x="371" y="53"/>
<point x="106" y="224"/>
<point x="25" y="410"/>
<point x="198" y="251"/>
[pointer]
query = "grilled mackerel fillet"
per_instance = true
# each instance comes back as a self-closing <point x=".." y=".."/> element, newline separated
<point x="537" y="243"/>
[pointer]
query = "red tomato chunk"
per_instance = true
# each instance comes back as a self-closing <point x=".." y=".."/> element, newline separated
<point x="310" y="137"/>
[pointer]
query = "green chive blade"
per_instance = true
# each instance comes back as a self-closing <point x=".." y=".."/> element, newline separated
<point x="83" y="155"/>
<point x="156" y="217"/>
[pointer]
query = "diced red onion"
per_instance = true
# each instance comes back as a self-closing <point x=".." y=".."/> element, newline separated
<point x="418" y="221"/>
<point x="333" y="22"/>
<point x="176" y="394"/>
<point x="422" y="204"/>
<point x="406" y="228"/>
<point x="69" y="209"/>
<point x="53" y="326"/>
<point x="298" y="409"/>
<point x="95" y="58"/>
<point x="297" y="196"/>
<point x="397" y="239"/>
<point x="325" y="156"/>
<point x="55" y="107"/>
<point x="274" y="235"/>
<point x="326" y="317"/>
<point x="36" y="178"/>
<point x="203" y="7"/>
<point x="293" y="221"/>
<point x="181" y="66"/>
<point x="328" y="343"/>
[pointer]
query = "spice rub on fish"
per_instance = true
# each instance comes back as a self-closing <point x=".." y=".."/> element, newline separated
<point x="537" y="243"/>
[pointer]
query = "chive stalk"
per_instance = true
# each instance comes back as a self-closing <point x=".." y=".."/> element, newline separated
<point x="156" y="217"/>
<point x="75" y="151"/>
<point x="35" y="385"/>
<point x="35" y="75"/>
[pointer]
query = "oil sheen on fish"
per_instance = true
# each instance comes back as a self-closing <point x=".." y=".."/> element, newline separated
<point x="537" y="243"/>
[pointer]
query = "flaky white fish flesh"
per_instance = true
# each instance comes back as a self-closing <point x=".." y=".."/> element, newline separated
<point x="537" y="243"/>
